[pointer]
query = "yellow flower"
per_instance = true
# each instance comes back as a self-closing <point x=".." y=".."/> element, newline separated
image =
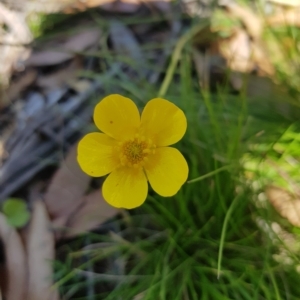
<point x="133" y="149"/>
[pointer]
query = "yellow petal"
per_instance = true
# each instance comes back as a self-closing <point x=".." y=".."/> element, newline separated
<point x="125" y="187"/>
<point x="167" y="171"/>
<point x="163" y="122"/>
<point x="117" y="116"/>
<point x="96" y="154"/>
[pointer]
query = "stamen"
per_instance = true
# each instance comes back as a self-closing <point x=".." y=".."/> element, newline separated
<point x="135" y="151"/>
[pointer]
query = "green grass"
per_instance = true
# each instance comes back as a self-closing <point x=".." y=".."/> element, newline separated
<point x="205" y="242"/>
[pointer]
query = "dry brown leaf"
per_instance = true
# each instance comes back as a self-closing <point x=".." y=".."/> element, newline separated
<point x="79" y="85"/>
<point x="44" y="7"/>
<point x="93" y="212"/>
<point x="162" y="5"/>
<point x="18" y="86"/>
<point x="139" y="296"/>
<point x="293" y="3"/>
<point x="66" y="50"/>
<point x="237" y="51"/>
<point x="287" y="205"/>
<point x="41" y="253"/>
<point x="261" y="59"/>
<point x="119" y="6"/>
<point x="61" y="77"/>
<point x="12" y="39"/>
<point x="248" y="17"/>
<point x="66" y="189"/>
<point x="116" y="6"/>
<point x="285" y="17"/>
<point x="15" y="261"/>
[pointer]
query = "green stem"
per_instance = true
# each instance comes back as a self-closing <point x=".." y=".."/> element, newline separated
<point x="176" y="55"/>
<point x="223" y="234"/>
<point x="210" y="174"/>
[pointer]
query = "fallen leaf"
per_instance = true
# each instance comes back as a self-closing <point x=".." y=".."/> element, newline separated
<point x="294" y="3"/>
<point x="13" y="38"/>
<point x="249" y="18"/>
<point x="19" y="85"/>
<point x="66" y="50"/>
<point x="116" y="6"/>
<point x="41" y="253"/>
<point x="261" y="58"/>
<point x="79" y="85"/>
<point x="66" y="189"/>
<point x="119" y="6"/>
<point x="61" y="77"/>
<point x="15" y="260"/>
<point x="45" y="7"/>
<point x="237" y="51"/>
<point x="162" y="5"/>
<point x="285" y="18"/>
<point x="286" y="204"/>
<point x="93" y="212"/>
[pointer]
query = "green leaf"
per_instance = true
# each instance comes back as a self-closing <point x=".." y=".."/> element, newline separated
<point x="16" y="212"/>
<point x="223" y="23"/>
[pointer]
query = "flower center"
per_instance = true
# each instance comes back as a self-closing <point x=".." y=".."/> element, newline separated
<point x="135" y="152"/>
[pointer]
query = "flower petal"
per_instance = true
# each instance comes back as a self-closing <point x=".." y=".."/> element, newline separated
<point x="117" y="116"/>
<point x="163" y="122"/>
<point x="125" y="187"/>
<point x="167" y="171"/>
<point x="96" y="154"/>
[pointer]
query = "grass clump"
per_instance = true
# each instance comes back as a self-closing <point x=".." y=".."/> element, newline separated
<point x="204" y="242"/>
<point x="207" y="241"/>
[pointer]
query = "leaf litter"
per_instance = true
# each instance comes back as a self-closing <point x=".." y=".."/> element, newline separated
<point x="70" y="208"/>
<point x="41" y="253"/>
<point x="56" y="94"/>
<point x="15" y="262"/>
<point x="66" y="50"/>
